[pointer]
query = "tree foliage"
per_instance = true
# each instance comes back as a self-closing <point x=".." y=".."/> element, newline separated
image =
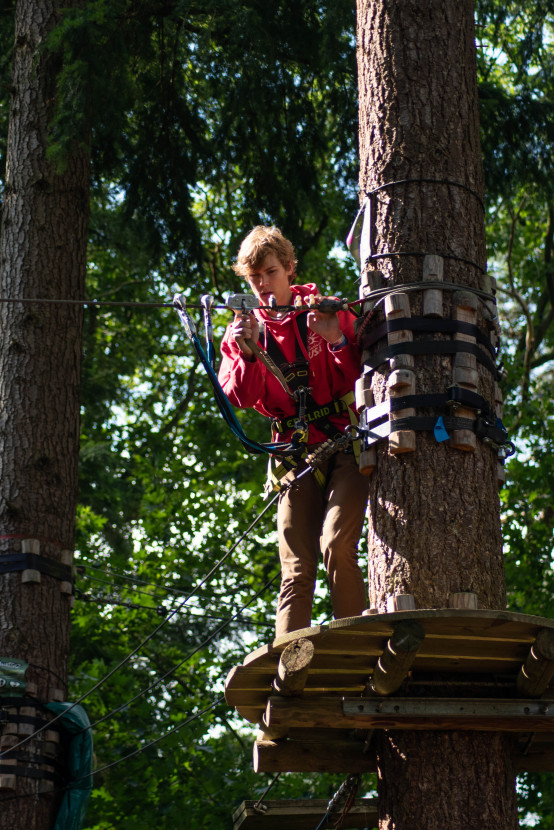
<point x="204" y="119"/>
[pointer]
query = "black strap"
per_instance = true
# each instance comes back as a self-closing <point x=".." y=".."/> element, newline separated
<point x="421" y="347"/>
<point x="274" y="350"/>
<point x="495" y="435"/>
<point x="455" y="396"/>
<point x="11" y="562"/>
<point x="29" y="772"/>
<point x="7" y="717"/>
<point x="31" y="758"/>
<point x="370" y="336"/>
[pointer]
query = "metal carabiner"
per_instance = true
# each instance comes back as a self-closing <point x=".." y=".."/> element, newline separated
<point x="207" y="304"/>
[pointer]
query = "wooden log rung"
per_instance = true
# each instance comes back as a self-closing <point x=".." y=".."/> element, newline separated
<point x="300" y="814"/>
<point x="537" y="671"/>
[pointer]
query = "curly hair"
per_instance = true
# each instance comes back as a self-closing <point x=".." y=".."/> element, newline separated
<point x="260" y="242"/>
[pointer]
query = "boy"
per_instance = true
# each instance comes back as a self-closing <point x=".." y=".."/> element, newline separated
<point x="315" y="350"/>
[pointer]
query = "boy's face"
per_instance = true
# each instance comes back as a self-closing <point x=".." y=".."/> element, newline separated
<point x="271" y="277"/>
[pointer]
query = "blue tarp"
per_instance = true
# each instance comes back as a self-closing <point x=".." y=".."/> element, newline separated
<point x="79" y="765"/>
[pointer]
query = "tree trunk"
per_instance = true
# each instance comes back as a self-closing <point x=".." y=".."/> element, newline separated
<point x="43" y="246"/>
<point x="434" y="526"/>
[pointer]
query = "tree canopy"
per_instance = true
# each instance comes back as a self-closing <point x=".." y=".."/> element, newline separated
<point x="203" y="120"/>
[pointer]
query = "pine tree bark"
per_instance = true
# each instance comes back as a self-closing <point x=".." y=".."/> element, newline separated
<point x="434" y="526"/>
<point x="43" y="247"/>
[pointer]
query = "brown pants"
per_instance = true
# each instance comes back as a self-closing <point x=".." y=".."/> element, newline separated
<point x="313" y="520"/>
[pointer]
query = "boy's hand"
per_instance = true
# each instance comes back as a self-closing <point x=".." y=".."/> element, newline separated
<point x="245" y="327"/>
<point x="325" y="324"/>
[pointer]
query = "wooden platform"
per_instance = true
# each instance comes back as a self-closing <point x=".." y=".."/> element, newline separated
<point x="476" y="654"/>
<point x="301" y="814"/>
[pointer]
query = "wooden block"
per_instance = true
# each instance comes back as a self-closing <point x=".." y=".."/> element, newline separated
<point x="464" y="360"/>
<point x="465" y="301"/>
<point x="500" y="475"/>
<point x="498" y="401"/>
<point x="51" y="736"/>
<point x="401" y="602"/>
<point x="468" y="378"/>
<point x="488" y="284"/>
<point x="25" y="728"/>
<point x="464" y="372"/>
<point x="55" y="694"/>
<point x="398" y="305"/>
<point x="433" y="267"/>
<point x="7" y="741"/>
<point x="49" y="748"/>
<point x="368" y="461"/>
<point x="369" y="612"/>
<point x="30" y="546"/>
<point x="66" y="557"/>
<point x="400" y="383"/>
<point x="28" y="711"/>
<point x="463" y="599"/>
<point x="362" y="392"/>
<point x="31" y="576"/>
<point x="66" y="588"/>
<point x="31" y="689"/>
<point x="7" y="782"/>
<point x="370" y="281"/>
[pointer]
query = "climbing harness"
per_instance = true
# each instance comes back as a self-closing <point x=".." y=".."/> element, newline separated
<point x="293" y="378"/>
<point x="280" y="449"/>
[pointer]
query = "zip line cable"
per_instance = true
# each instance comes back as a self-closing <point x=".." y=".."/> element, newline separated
<point x="152" y="634"/>
<point x="138" y="304"/>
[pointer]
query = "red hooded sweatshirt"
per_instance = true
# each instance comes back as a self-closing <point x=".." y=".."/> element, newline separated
<point x="331" y="373"/>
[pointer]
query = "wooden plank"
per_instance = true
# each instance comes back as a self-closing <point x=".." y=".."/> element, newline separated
<point x="331" y="755"/>
<point x="346" y="651"/>
<point x="413" y="713"/>
<point x="301" y="814"/>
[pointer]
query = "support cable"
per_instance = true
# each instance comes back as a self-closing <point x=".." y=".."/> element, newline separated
<point x="191" y="654"/>
<point x="127" y="757"/>
<point x="112" y="599"/>
<point x="152" y="634"/>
